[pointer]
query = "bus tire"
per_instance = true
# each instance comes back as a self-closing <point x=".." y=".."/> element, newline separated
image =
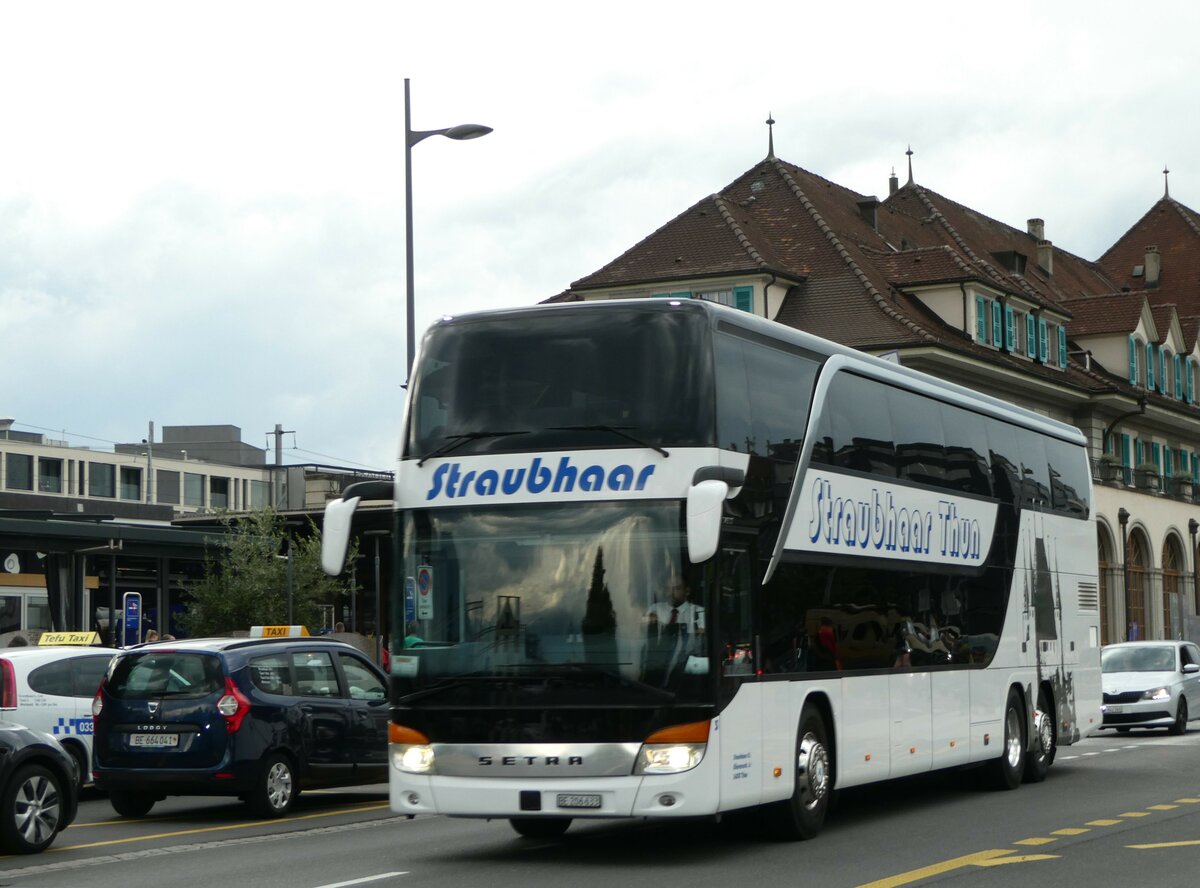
<point x="540" y="827"/>
<point x="1006" y="771"/>
<point x="802" y="815"/>
<point x="1045" y="739"/>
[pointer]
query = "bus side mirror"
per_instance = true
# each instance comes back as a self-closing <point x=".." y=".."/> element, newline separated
<point x="704" y="511"/>
<point x="335" y="535"/>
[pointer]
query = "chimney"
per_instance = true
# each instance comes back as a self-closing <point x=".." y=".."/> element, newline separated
<point x="893" y="184"/>
<point x="1046" y="255"/>
<point x="1153" y="266"/>
<point x="868" y="208"/>
<point x="1037" y="229"/>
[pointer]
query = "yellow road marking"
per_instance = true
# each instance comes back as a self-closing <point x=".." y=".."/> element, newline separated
<point x="937" y="869"/>
<point x="1035" y="841"/>
<point x="1188" y="801"/>
<point x="1165" y="845"/>
<point x="1162" y="807"/>
<point x="1135" y="814"/>
<point x="1103" y="822"/>
<point x="1070" y="831"/>
<point x="225" y="827"/>
<point x="1024" y="858"/>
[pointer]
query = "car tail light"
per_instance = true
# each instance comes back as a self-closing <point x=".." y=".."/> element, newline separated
<point x="98" y="700"/>
<point x="233" y="705"/>
<point x="8" y="685"/>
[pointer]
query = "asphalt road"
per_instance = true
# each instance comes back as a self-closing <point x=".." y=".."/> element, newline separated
<point x="1115" y="809"/>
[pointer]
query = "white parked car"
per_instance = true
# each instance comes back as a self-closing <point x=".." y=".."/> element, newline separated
<point x="1150" y="684"/>
<point x="50" y="689"/>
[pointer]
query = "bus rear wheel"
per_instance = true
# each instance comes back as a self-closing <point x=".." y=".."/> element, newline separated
<point x="802" y="816"/>
<point x="540" y="827"/>
<point x="1045" y="739"/>
<point x="1006" y="772"/>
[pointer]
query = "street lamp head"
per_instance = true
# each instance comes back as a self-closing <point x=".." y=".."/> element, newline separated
<point x="1123" y="516"/>
<point x="465" y="131"/>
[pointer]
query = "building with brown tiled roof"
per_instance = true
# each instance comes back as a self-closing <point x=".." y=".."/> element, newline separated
<point x="962" y="296"/>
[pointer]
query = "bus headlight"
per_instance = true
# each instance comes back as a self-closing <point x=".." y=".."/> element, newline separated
<point x="669" y="758"/>
<point x="1157" y="694"/>
<point x="413" y="759"/>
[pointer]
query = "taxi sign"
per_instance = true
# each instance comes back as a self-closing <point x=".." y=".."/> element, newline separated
<point x="278" y="631"/>
<point x="76" y="638"/>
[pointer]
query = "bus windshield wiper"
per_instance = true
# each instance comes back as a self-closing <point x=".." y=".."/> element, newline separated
<point x="453" y="442"/>
<point x="616" y="430"/>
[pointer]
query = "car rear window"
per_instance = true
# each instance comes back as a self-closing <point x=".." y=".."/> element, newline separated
<point x="165" y="674"/>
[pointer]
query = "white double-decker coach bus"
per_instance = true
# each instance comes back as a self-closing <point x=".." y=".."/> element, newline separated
<point x="659" y="558"/>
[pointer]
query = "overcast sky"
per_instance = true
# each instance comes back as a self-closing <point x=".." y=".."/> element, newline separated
<point x="202" y="205"/>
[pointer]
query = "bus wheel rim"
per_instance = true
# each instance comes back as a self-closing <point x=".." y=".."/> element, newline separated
<point x="813" y="766"/>
<point x="1012" y="737"/>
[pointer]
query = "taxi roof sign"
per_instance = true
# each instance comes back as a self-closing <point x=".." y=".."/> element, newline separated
<point x="278" y="631"/>
<point x="83" y="639"/>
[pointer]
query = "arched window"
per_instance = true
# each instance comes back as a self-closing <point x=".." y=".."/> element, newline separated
<point x="1172" y="567"/>
<point x="1137" y="563"/>
<point x="1109" y="573"/>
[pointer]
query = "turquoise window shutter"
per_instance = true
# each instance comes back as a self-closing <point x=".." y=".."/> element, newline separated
<point x="1167" y="459"/>
<point x="1133" y="356"/>
<point x="1125" y="451"/>
<point x="980" y="319"/>
<point x="997" y="325"/>
<point x="1150" y="366"/>
<point x="1043" y="340"/>
<point x="1178" y="362"/>
<point x="1010" y="328"/>
<point x="1062" y="346"/>
<point x="1156" y="455"/>
<point x="1189" y="390"/>
<point x="1031" y="335"/>
<point x="1162" y="370"/>
<point x="1139" y="452"/>
<point x="1195" y="467"/>
<point x="743" y="298"/>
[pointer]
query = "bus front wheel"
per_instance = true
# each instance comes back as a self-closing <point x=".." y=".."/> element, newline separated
<point x="1045" y="739"/>
<point x="802" y="816"/>
<point x="1007" y="771"/>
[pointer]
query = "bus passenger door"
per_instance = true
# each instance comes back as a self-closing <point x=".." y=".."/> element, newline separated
<point x="740" y="743"/>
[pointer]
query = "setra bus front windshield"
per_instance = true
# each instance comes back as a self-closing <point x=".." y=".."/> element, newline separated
<point x="597" y="597"/>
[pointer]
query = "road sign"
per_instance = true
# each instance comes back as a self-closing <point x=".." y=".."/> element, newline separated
<point x="424" y="592"/>
<point x="410" y="600"/>
<point x="131" y="622"/>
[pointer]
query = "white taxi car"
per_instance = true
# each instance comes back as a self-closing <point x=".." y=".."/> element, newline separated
<point x="50" y="689"/>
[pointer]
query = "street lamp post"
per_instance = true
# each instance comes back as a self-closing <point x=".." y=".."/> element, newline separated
<point x="412" y="137"/>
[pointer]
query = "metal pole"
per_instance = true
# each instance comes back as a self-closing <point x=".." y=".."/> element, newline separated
<point x="1123" y="518"/>
<point x="150" y="465"/>
<point x="378" y="609"/>
<point x="289" y="579"/>
<point x="1193" y="527"/>
<point x="410" y="301"/>
<point x="354" y="596"/>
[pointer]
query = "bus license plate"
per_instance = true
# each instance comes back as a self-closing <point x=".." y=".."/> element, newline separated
<point x="578" y="800"/>
<point x="159" y="741"/>
<point x="1114" y="710"/>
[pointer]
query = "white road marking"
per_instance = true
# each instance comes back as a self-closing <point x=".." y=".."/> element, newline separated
<point x="362" y="881"/>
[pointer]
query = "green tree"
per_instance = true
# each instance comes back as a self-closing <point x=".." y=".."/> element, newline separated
<point x="245" y="582"/>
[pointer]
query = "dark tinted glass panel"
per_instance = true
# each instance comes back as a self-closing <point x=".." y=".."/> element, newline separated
<point x="1005" y="457"/>
<point x="966" y="439"/>
<point x="819" y="618"/>
<point x="87" y="673"/>
<point x="19" y="467"/>
<point x="168" y="487"/>
<point x="102" y="480"/>
<point x="166" y="674"/>
<point x="50" y="473"/>
<point x="917" y="433"/>
<point x="52" y="678"/>
<point x="577" y="377"/>
<point x="1035" y="472"/>
<point x="1069" y="480"/>
<point x="763" y="395"/>
<point x="860" y="425"/>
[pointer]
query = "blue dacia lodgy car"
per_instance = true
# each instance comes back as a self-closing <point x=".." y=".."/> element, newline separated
<point x="253" y="718"/>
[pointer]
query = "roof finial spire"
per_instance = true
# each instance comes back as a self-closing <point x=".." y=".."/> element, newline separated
<point x="1166" y="183"/>
<point x="909" y="152"/>
<point x="770" y="136"/>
